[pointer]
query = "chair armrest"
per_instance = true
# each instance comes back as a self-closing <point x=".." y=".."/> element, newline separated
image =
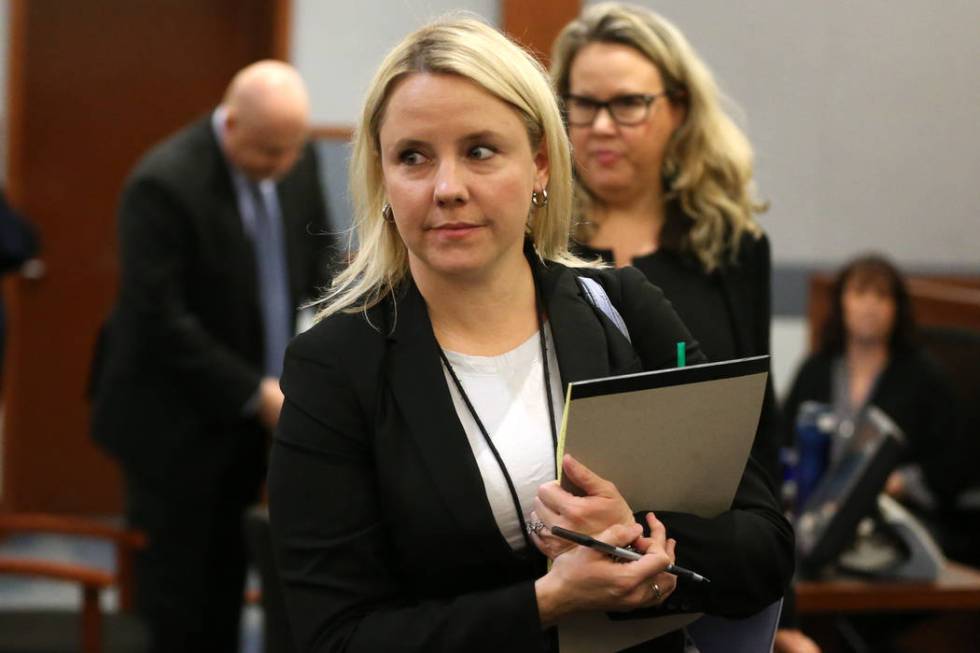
<point x="126" y="542"/>
<point x="65" y="525"/>
<point x="93" y="581"/>
<point x="87" y="576"/>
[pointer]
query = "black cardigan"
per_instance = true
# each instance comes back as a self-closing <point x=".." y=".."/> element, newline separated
<point x="371" y="469"/>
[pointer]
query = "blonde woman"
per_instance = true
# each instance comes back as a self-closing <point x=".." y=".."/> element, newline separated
<point x="665" y="180"/>
<point x="665" y="184"/>
<point x="419" y="427"/>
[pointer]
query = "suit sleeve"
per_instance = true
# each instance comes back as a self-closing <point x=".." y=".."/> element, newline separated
<point x="341" y="591"/>
<point x="766" y="446"/>
<point x="747" y="551"/>
<point x="642" y="303"/>
<point x="157" y="241"/>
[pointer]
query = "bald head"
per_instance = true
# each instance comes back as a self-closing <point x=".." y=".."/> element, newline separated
<point x="267" y="119"/>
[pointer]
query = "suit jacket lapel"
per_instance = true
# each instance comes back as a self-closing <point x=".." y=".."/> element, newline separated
<point x="587" y="346"/>
<point x="580" y="342"/>
<point x="229" y="230"/>
<point x="418" y="383"/>
<point x="291" y="210"/>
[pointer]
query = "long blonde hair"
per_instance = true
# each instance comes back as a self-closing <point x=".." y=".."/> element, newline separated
<point x="708" y="160"/>
<point x="468" y="48"/>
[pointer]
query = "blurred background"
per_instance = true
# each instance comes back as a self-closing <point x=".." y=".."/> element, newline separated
<point x="863" y="117"/>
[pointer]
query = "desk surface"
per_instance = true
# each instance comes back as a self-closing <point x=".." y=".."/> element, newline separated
<point x="957" y="589"/>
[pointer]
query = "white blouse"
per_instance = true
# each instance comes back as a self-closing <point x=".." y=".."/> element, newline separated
<point x="507" y="392"/>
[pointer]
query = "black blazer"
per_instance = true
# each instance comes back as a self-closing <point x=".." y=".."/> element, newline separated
<point x="745" y="316"/>
<point x="384" y="535"/>
<point x="914" y="392"/>
<point x="182" y="352"/>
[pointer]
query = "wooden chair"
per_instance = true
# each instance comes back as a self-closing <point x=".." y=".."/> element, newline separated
<point x="55" y="630"/>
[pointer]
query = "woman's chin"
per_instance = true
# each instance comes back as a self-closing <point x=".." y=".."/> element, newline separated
<point x="458" y="268"/>
<point x="608" y="188"/>
<point x="869" y="338"/>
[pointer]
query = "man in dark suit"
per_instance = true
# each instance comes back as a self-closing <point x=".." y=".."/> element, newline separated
<point x="222" y="231"/>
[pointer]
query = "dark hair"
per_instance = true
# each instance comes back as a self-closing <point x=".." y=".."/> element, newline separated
<point x="870" y="268"/>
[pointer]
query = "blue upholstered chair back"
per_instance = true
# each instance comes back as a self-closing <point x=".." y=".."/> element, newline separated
<point x="753" y="634"/>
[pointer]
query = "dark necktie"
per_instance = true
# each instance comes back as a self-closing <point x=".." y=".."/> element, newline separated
<point x="270" y="258"/>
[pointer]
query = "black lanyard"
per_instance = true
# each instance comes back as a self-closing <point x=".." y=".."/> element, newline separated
<point x="486" y="435"/>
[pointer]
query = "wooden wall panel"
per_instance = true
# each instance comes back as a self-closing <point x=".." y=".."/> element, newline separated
<point x="536" y="24"/>
<point x="92" y="85"/>
<point x="936" y="301"/>
<point x="341" y="133"/>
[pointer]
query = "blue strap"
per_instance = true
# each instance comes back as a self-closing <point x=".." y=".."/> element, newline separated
<point x="597" y="296"/>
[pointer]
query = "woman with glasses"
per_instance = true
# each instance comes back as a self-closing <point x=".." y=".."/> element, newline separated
<point x="421" y="411"/>
<point x="665" y="182"/>
<point x="665" y="179"/>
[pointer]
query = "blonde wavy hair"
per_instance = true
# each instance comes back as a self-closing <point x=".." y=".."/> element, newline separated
<point x="708" y="159"/>
<point x="469" y="48"/>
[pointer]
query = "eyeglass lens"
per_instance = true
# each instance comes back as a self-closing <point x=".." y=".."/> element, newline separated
<point x="624" y="109"/>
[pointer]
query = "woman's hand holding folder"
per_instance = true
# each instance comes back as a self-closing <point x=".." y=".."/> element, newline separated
<point x="582" y="579"/>
<point x="599" y="507"/>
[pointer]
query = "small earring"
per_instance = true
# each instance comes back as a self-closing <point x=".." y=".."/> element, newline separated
<point x="387" y="214"/>
<point x="539" y="200"/>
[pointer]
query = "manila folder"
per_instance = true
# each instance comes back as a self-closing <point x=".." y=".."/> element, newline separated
<point x="675" y="440"/>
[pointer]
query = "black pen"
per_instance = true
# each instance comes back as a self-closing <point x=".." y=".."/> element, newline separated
<point x="621" y="553"/>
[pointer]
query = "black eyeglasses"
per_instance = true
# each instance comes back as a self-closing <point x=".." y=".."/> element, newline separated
<point x="630" y="109"/>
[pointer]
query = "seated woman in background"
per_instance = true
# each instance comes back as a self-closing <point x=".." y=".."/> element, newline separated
<point x="419" y="423"/>
<point x="868" y="355"/>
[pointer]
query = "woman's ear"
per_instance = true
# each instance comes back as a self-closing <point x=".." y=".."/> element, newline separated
<point x="542" y="165"/>
<point x="678" y="113"/>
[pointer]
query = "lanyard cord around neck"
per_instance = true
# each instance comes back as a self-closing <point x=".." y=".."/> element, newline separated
<point x="486" y="435"/>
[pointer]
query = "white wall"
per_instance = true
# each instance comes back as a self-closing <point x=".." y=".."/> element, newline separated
<point x="864" y="116"/>
<point x="789" y="343"/>
<point x="338" y="45"/>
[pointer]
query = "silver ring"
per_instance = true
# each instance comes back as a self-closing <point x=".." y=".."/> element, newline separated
<point x="657" y="592"/>
<point x="535" y="526"/>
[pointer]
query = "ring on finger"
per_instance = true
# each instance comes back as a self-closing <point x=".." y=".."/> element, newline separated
<point x="657" y="592"/>
<point x="535" y="526"/>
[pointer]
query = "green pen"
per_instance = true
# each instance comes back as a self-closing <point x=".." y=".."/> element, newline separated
<point x="681" y="354"/>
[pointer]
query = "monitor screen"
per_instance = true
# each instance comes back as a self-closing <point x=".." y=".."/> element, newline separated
<point x="849" y="490"/>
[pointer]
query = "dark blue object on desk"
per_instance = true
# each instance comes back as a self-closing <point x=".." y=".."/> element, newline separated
<point x="813" y="449"/>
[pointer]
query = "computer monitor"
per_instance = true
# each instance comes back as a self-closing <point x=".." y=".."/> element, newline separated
<point x="848" y="491"/>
